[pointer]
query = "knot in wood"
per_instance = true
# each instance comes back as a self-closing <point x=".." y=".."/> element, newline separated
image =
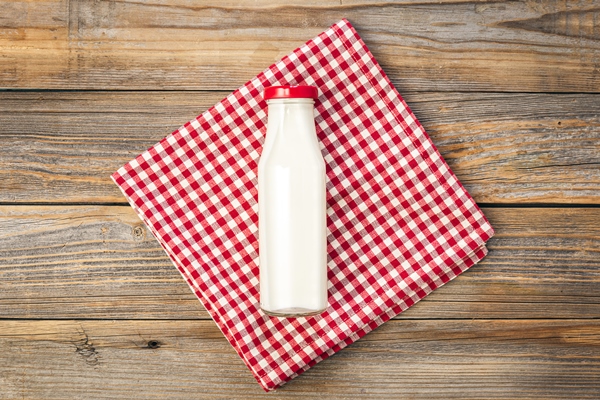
<point x="138" y="232"/>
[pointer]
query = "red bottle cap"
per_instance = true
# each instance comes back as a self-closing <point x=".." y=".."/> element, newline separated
<point x="291" y="92"/>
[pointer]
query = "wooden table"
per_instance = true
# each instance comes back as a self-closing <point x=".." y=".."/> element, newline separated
<point x="91" y="307"/>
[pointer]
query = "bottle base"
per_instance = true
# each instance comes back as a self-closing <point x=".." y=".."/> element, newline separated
<point x="292" y="312"/>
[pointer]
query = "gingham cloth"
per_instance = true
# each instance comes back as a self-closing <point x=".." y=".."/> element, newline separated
<point x="400" y="224"/>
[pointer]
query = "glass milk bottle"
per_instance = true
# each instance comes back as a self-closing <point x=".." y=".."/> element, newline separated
<point x="292" y="217"/>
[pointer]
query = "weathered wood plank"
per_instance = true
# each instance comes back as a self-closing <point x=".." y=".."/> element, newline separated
<point x="181" y="44"/>
<point x="505" y="148"/>
<point x="408" y="359"/>
<point x="100" y="262"/>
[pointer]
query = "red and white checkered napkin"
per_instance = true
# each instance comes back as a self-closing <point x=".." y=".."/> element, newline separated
<point x="400" y="224"/>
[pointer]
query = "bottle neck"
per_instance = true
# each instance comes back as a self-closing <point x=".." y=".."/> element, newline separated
<point x="291" y="121"/>
<point x="287" y="116"/>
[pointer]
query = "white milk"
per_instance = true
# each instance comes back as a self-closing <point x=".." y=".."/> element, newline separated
<point x="292" y="212"/>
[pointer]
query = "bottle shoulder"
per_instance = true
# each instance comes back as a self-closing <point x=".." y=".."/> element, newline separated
<point x="299" y="160"/>
<point x="289" y="147"/>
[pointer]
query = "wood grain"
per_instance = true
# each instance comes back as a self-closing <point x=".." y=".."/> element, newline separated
<point x="532" y="46"/>
<point x="505" y="148"/>
<point x="401" y="359"/>
<point x="100" y="262"/>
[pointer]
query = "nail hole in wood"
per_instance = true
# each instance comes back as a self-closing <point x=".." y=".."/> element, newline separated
<point x="153" y="344"/>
